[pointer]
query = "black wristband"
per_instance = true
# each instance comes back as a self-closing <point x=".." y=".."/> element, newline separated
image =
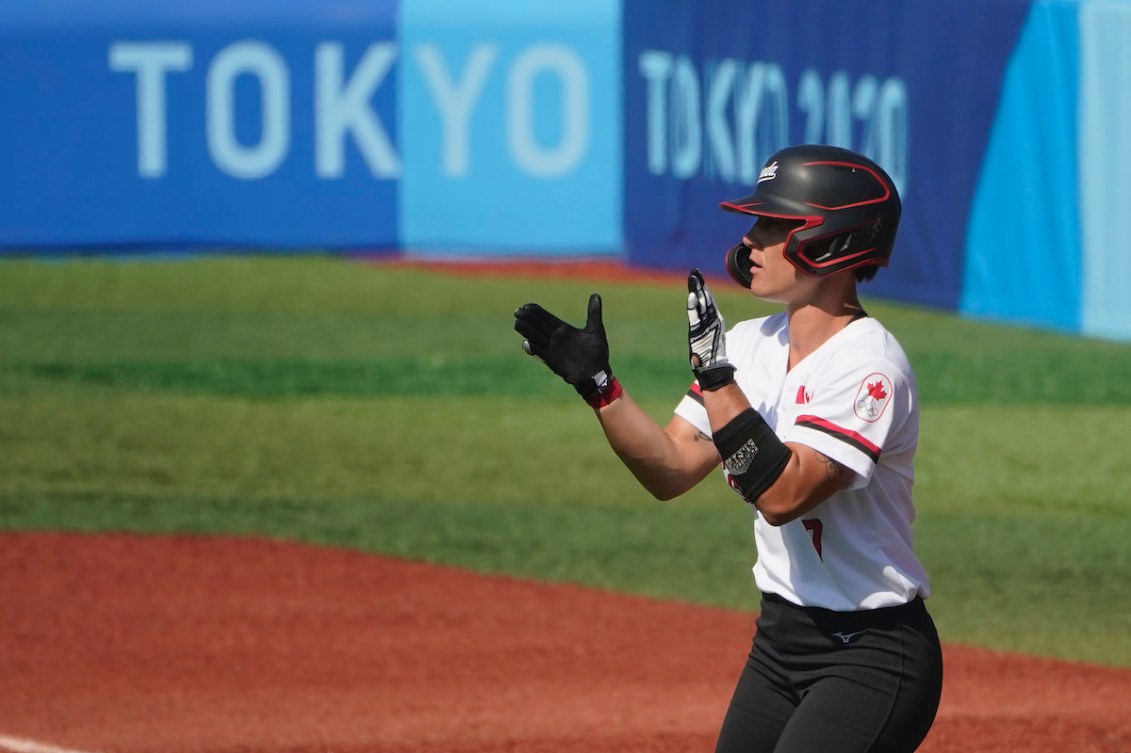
<point x="714" y="377"/>
<point x="752" y="454"/>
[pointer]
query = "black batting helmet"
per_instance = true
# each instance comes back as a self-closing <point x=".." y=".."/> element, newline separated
<point x="847" y="205"/>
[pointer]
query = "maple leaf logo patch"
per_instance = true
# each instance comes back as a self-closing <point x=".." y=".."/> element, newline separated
<point x="873" y="397"/>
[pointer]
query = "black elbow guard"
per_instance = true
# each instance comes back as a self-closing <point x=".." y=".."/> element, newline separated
<point x="752" y="454"/>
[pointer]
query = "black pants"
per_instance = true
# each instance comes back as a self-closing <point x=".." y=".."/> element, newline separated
<point x="819" y="681"/>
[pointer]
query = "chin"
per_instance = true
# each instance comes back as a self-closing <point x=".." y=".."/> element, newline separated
<point x="768" y="296"/>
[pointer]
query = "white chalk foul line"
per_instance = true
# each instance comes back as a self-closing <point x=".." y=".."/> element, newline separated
<point x="20" y="745"/>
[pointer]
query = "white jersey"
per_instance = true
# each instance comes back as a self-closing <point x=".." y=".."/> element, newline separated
<point x="854" y="400"/>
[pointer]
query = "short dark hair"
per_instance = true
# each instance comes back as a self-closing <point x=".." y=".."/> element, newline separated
<point x="863" y="274"/>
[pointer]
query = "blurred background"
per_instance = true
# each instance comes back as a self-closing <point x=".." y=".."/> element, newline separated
<point x="228" y="300"/>
<point x="431" y="128"/>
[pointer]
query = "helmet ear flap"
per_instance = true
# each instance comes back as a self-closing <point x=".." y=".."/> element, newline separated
<point x="739" y="264"/>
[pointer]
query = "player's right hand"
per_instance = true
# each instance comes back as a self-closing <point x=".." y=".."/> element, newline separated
<point x="706" y="336"/>
<point x="579" y="356"/>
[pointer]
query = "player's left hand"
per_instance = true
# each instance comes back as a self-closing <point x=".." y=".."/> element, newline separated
<point x="706" y="336"/>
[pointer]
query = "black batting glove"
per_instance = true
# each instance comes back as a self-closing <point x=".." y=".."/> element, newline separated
<point x="706" y="336"/>
<point x="579" y="356"/>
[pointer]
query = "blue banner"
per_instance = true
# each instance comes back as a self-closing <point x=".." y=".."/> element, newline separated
<point x="1045" y="244"/>
<point x="511" y="123"/>
<point x="1022" y="249"/>
<point x="597" y="127"/>
<point x="210" y="124"/>
<point x="1105" y="164"/>
<point x="716" y="88"/>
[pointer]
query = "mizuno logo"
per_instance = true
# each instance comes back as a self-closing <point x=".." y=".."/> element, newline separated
<point x="846" y="638"/>
<point x="769" y="172"/>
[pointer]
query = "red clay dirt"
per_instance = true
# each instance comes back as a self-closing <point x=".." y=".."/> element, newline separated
<point x="541" y="268"/>
<point x="131" y="644"/>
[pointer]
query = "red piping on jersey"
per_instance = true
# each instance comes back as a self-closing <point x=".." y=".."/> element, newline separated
<point x="820" y="424"/>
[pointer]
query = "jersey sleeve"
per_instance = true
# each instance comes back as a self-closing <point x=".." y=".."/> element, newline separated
<point x="692" y="410"/>
<point x="855" y="416"/>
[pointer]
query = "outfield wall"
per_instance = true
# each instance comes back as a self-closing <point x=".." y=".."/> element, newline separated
<point x="600" y="127"/>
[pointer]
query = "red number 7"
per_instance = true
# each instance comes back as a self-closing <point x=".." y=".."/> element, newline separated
<point x="815" y="527"/>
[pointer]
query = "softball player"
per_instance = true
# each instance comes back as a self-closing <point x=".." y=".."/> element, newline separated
<point x="813" y="413"/>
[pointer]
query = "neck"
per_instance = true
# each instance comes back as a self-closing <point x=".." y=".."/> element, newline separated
<point x="811" y="324"/>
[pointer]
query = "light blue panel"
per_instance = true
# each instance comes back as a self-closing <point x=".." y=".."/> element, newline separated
<point x="1023" y="238"/>
<point x="510" y="127"/>
<point x="1105" y="164"/>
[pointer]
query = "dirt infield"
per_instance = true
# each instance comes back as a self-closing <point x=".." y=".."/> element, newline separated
<point x="129" y="644"/>
<point x="565" y="268"/>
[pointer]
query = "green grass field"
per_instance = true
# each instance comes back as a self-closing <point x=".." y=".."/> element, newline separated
<point x="392" y="410"/>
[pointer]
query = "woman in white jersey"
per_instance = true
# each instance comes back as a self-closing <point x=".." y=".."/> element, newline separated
<point x="813" y="413"/>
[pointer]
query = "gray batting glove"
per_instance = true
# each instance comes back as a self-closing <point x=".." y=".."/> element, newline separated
<point x="706" y="336"/>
